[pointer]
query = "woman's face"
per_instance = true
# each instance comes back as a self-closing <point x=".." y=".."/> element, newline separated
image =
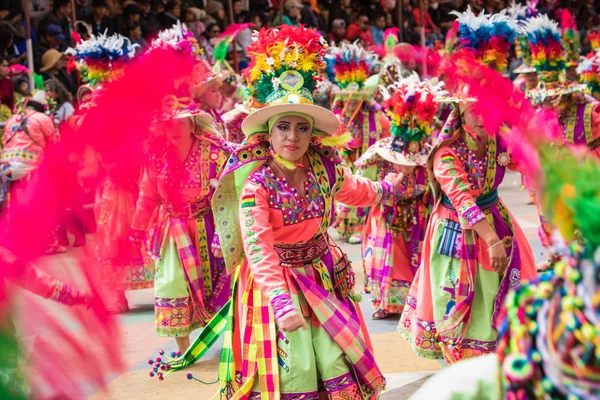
<point x="190" y="16"/>
<point x="52" y="94"/>
<point x="290" y="137"/>
<point x="474" y="121"/>
<point x="178" y="128"/>
<point x="212" y="98"/>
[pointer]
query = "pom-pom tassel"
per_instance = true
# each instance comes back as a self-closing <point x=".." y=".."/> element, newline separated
<point x="336" y="141"/>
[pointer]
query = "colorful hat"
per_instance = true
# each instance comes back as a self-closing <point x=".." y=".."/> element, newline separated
<point x="411" y="106"/>
<point x="461" y="96"/>
<point x="204" y="75"/>
<point x="391" y="67"/>
<point x="351" y="65"/>
<point x="589" y="73"/>
<point x="549" y="344"/>
<point x="521" y="13"/>
<point x="488" y="38"/>
<point x="547" y="58"/>
<point x="101" y="58"/>
<point x="570" y="38"/>
<point x="178" y="38"/>
<point x="285" y="69"/>
<point x="174" y="107"/>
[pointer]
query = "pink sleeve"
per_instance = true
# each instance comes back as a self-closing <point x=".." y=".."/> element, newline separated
<point x="596" y="131"/>
<point x="146" y="204"/>
<point x="361" y="192"/>
<point x="263" y="261"/>
<point x="453" y="179"/>
<point x="44" y="285"/>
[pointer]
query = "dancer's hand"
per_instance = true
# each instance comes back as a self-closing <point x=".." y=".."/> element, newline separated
<point x="217" y="253"/>
<point x="498" y="258"/>
<point x="395" y="179"/>
<point x="291" y="322"/>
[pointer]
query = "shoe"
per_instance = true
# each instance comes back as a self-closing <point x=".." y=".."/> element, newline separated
<point x="355" y="238"/>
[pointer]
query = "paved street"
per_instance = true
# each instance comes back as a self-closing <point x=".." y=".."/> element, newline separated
<point x="404" y="370"/>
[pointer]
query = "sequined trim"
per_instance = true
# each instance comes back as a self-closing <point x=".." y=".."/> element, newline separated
<point x="173" y="317"/>
<point x="470" y="212"/>
<point x="282" y="304"/>
<point x="339" y="383"/>
<point x="289" y="396"/>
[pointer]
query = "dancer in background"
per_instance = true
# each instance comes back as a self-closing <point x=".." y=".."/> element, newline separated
<point x="125" y="265"/>
<point x="395" y="229"/>
<point x="474" y="249"/>
<point x="350" y="67"/>
<point x="173" y="210"/>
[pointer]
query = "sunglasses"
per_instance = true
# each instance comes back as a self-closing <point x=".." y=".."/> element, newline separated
<point x="215" y="31"/>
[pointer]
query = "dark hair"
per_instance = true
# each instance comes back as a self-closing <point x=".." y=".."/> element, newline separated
<point x="131" y="9"/>
<point x="99" y="3"/>
<point x="60" y="3"/>
<point x="132" y="26"/>
<point x="250" y="17"/>
<point x="35" y="106"/>
<point x="210" y="26"/>
<point x="171" y="5"/>
<point x="57" y="86"/>
<point x="6" y="37"/>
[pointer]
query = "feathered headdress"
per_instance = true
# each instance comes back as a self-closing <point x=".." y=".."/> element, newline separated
<point x="351" y="65"/>
<point x="521" y="13"/>
<point x="178" y="38"/>
<point x="225" y="40"/>
<point x="487" y="38"/>
<point x="548" y="59"/>
<point x="589" y="73"/>
<point x="570" y="38"/>
<point x="101" y="57"/>
<point x="285" y="68"/>
<point x="411" y="106"/>
<point x="391" y="65"/>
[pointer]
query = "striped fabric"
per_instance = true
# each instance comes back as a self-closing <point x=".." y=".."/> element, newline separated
<point x="450" y="242"/>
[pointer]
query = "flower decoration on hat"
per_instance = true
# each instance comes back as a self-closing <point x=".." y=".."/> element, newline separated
<point x="589" y="73"/>
<point x="411" y="107"/>
<point x="175" y="107"/>
<point x="488" y="38"/>
<point x="351" y="65"/>
<point x="570" y="38"/>
<point x="102" y="57"/>
<point x="548" y="59"/>
<point x="178" y="38"/>
<point x="286" y="64"/>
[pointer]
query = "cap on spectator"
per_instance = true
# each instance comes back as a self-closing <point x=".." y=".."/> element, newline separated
<point x="293" y="4"/>
<point x="56" y="32"/>
<point x="338" y="23"/>
<point x="99" y="4"/>
<point x="50" y="58"/>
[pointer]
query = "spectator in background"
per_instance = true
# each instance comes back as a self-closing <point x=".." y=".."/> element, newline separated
<point x="83" y="9"/>
<point x="149" y="21"/>
<point x="292" y="15"/>
<point x="378" y="28"/>
<point x="22" y="89"/>
<point x="54" y="65"/>
<point x="193" y="21"/>
<point x="8" y="50"/>
<point x="341" y="9"/>
<point x="7" y="93"/>
<point x="211" y="35"/>
<point x="134" y="33"/>
<point x="214" y="8"/>
<point x="83" y="30"/>
<point x="61" y="16"/>
<point x="64" y="108"/>
<point x="338" y="32"/>
<point x="432" y="32"/>
<point x="244" y="38"/>
<point x="170" y="15"/>
<point x="239" y="14"/>
<point x="99" y="20"/>
<point x="132" y="14"/>
<point x="53" y="39"/>
<point x="360" y="29"/>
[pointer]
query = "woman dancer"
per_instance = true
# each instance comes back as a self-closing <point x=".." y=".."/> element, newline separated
<point x="295" y="329"/>
<point x="177" y="186"/>
<point x="474" y="249"/>
<point x="395" y="229"/>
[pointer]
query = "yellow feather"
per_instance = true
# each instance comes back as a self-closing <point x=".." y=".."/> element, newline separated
<point x="286" y="163"/>
<point x="337" y="141"/>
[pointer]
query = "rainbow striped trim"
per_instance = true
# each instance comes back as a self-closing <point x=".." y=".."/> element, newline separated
<point x="248" y="200"/>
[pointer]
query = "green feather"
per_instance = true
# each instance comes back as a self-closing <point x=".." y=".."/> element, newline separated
<point x="221" y="48"/>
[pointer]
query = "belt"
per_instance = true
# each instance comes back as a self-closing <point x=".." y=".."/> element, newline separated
<point x="301" y="254"/>
<point x="484" y="202"/>
<point x="188" y="210"/>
